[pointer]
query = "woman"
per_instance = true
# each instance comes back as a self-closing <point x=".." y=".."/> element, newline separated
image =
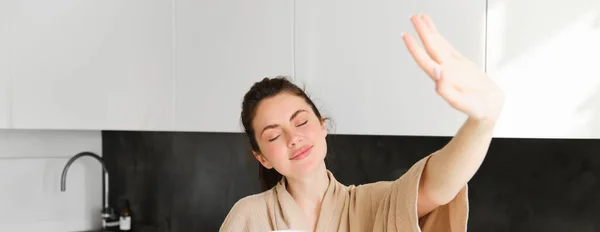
<point x="287" y="135"/>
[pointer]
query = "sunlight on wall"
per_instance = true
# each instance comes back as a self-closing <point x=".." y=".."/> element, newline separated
<point x="552" y="88"/>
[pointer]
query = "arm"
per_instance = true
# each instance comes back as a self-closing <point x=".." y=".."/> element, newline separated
<point x="466" y="88"/>
<point x="449" y="169"/>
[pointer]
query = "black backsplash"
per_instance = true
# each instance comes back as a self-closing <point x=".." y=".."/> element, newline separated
<point x="180" y="181"/>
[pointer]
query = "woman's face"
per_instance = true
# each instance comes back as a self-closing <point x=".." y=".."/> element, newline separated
<point x="290" y="136"/>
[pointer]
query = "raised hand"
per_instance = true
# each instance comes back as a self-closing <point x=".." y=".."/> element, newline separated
<point x="463" y="84"/>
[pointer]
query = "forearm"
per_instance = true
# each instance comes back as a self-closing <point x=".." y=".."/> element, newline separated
<point x="450" y="168"/>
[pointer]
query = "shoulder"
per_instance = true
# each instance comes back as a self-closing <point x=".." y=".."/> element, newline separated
<point x="251" y="203"/>
<point x="370" y="192"/>
<point x="247" y="212"/>
<point x="406" y="186"/>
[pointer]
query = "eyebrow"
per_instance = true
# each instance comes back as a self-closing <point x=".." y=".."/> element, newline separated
<point x="272" y="126"/>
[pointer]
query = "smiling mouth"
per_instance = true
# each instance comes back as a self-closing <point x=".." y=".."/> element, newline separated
<point x="302" y="153"/>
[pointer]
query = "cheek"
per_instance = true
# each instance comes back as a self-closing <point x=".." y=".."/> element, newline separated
<point x="275" y="151"/>
<point x="315" y="132"/>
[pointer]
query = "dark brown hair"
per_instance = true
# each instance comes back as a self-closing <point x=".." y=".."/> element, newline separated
<point x="266" y="88"/>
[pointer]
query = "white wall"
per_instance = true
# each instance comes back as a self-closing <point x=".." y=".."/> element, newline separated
<point x="543" y="53"/>
<point x="31" y="164"/>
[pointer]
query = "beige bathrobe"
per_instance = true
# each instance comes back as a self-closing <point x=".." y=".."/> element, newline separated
<point x="380" y="206"/>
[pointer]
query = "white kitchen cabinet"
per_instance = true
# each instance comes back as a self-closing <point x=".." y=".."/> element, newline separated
<point x="4" y="99"/>
<point x="221" y="49"/>
<point x="4" y="95"/>
<point x="92" y="64"/>
<point x="544" y="55"/>
<point x="5" y="14"/>
<point x="356" y="67"/>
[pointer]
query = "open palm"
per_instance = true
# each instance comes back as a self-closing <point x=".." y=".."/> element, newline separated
<point x="463" y="84"/>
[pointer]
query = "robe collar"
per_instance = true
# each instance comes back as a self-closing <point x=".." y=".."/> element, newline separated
<point x="291" y="216"/>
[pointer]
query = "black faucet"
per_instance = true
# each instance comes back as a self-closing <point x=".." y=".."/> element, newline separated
<point x="107" y="212"/>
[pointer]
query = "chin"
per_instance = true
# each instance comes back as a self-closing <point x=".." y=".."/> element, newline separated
<point x="311" y="163"/>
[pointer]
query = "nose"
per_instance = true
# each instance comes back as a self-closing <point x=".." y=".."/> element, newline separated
<point x="294" y="139"/>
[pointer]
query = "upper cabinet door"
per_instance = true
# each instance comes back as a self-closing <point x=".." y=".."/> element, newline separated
<point x="357" y="69"/>
<point x="544" y="55"/>
<point x="4" y="87"/>
<point x="5" y="15"/>
<point x="92" y="64"/>
<point x="4" y="104"/>
<point x="221" y="49"/>
<point x="4" y="95"/>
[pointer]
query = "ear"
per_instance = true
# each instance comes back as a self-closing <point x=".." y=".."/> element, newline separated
<point x="262" y="159"/>
<point x="324" y="125"/>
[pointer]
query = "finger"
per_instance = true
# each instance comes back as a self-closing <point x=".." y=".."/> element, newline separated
<point x="432" y="45"/>
<point x="437" y="72"/>
<point x="420" y="56"/>
<point x="429" y="23"/>
<point x="443" y="42"/>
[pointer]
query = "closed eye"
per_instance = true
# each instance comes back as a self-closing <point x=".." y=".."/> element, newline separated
<point x="304" y="123"/>
<point x="273" y="139"/>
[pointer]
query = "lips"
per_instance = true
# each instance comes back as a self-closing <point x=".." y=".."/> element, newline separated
<point x="302" y="153"/>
